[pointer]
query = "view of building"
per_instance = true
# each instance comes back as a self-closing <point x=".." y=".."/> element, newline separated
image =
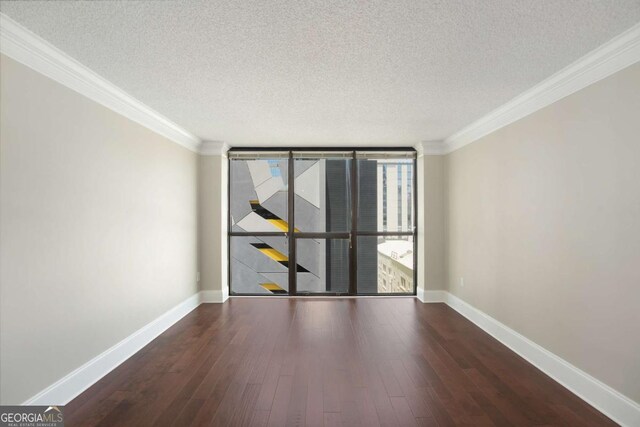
<point x="395" y="204"/>
<point x="395" y="213"/>
<point x="395" y="266"/>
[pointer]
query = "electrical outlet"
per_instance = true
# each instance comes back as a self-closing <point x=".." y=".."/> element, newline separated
<point x="462" y="282"/>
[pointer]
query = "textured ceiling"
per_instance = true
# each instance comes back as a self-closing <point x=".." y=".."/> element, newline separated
<point x="294" y="72"/>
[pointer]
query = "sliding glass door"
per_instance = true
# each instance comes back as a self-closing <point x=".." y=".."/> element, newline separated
<point x="259" y="241"/>
<point x="322" y="188"/>
<point x="386" y="223"/>
<point x="331" y="222"/>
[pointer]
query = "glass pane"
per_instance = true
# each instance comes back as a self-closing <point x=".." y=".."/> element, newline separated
<point x="258" y="199"/>
<point x="322" y="194"/>
<point x="385" y="264"/>
<point x="385" y="195"/>
<point x="326" y="262"/>
<point x="259" y="265"/>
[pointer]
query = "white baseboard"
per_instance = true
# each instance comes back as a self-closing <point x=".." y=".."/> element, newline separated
<point x="214" y="296"/>
<point x="613" y="404"/>
<point x="425" y="295"/>
<point x="67" y="388"/>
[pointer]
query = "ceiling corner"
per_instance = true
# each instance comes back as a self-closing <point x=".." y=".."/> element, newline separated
<point x="213" y="148"/>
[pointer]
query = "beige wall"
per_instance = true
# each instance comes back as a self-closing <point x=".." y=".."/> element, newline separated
<point x="544" y="226"/>
<point x="212" y="217"/>
<point x="98" y="229"/>
<point x="432" y="273"/>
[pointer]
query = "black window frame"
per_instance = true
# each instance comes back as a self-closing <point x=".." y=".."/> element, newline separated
<point x="352" y="235"/>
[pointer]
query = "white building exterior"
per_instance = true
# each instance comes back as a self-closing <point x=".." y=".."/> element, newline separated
<point x="395" y="266"/>
<point x="395" y="188"/>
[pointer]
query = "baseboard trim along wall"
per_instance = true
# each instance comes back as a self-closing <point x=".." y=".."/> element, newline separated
<point x="67" y="388"/>
<point x="431" y="296"/>
<point x="214" y="296"/>
<point x="610" y="402"/>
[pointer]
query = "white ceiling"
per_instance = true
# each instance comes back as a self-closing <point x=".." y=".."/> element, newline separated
<point x="292" y="72"/>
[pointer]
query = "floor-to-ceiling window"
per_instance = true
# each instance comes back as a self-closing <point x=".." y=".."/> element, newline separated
<point x="330" y="222"/>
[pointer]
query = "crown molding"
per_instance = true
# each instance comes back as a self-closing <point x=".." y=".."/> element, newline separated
<point x="430" y="148"/>
<point x="31" y="50"/>
<point x="615" y="55"/>
<point x="213" y="148"/>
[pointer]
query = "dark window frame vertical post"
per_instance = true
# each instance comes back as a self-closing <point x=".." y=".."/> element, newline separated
<point x="293" y="262"/>
<point x="353" y="232"/>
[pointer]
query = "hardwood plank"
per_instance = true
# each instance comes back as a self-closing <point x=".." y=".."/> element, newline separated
<point x="281" y="400"/>
<point x="260" y="418"/>
<point x="315" y="403"/>
<point x="403" y="412"/>
<point x="332" y="419"/>
<point x="368" y="362"/>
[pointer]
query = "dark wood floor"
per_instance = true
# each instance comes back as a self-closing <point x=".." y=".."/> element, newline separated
<point x="368" y="362"/>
